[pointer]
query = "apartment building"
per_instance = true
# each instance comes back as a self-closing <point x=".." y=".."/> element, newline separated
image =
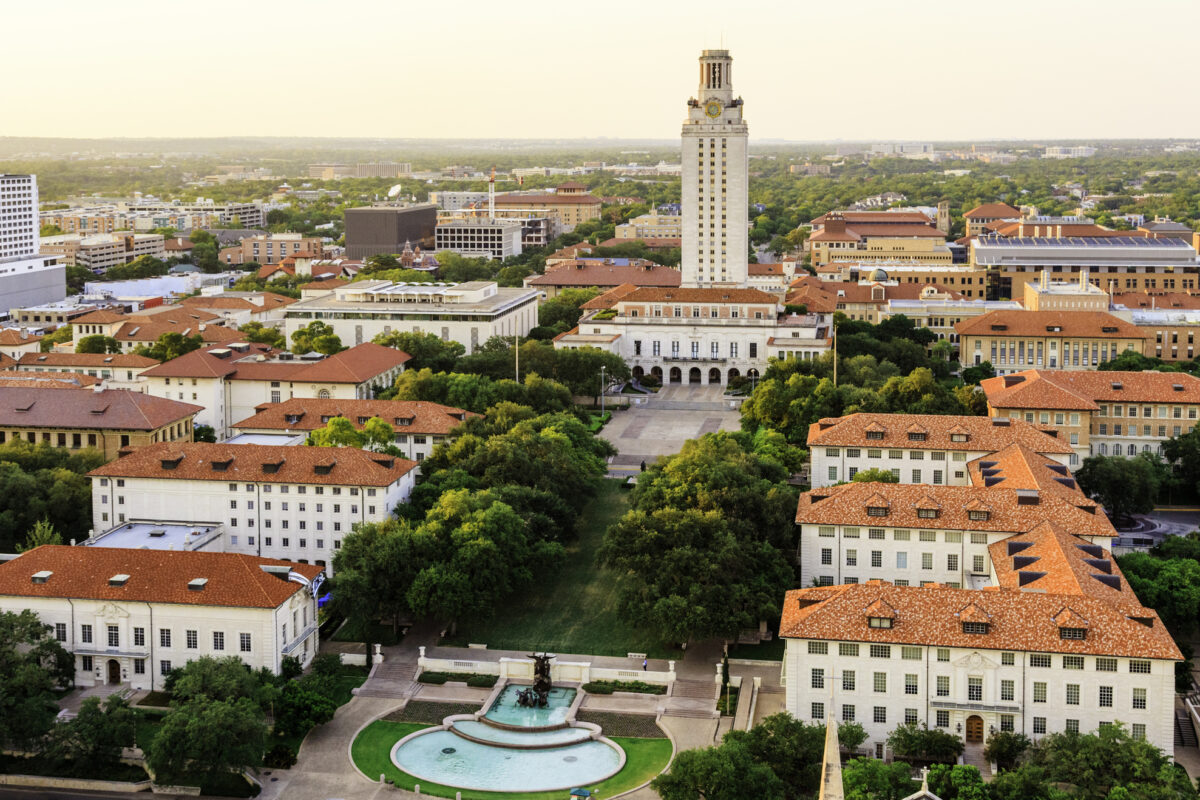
<point x="102" y="251"/>
<point x="271" y="248"/>
<point x="116" y="370"/>
<point x="420" y="426"/>
<point x="27" y="277"/>
<point x="1112" y="263"/>
<point x="230" y="382"/>
<point x="1068" y="340"/>
<point x="228" y="215"/>
<point x="468" y="313"/>
<point x="293" y="503"/>
<point x="1100" y="413"/>
<point x="480" y="237"/>
<point x="919" y="448"/>
<point x="130" y="616"/>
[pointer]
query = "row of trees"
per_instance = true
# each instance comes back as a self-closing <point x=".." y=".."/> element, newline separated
<point x="44" y="484"/>
<point x="705" y="547"/>
<point x="491" y="513"/>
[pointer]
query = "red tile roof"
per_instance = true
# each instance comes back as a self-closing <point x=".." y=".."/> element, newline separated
<point x="111" y="409"/>
<point x="85" y="360"/>
<point x="650" y="295"/>
<point x="1169" y="300"/>
<point x="765" y="269"/>
<point x="101" y="317"/>
<point x="155" y="576"/>
<point x="270" y="300"/>
<point x="885" y="217"/>
<point x="929" y="616"/>
<point x="200" y="461"/>
<point x="609" y="298"/>
<point x="304" y="414"/>
<point x="992" y="211"/>
<point x="1048" y="559"/>
<point x="48" y="380"/>
<point x="1082" y="390"/>
<point x="982" y="434"/>
<point x="652" y="242"/>
<point x="359" y="364"/>
<point x="546" y="199"/>
<point x="11" y="336"/>
<point x="1037" y="323"/>
<point x="578" y="273"/>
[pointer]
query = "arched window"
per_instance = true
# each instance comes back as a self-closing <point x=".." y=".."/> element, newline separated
<point x="1131" y="450"/>
<point x="1103" y="449"/>
<point x="323" y="394"/>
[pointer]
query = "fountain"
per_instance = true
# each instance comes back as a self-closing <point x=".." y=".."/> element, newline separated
<point x="538" y="694"/>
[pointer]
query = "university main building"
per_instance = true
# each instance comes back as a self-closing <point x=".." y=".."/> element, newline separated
<point x="715" y="326"/>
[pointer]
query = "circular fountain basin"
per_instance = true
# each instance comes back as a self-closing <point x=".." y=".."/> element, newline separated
<point x="504" y="737"/>
<point x="441" y="756"/>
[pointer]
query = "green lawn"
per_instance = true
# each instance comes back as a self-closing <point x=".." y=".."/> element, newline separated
<point x="573" y="608"/>
<point x="766" y="651"/>
<point x="358" y="631"/>
<point x="371" y="751"/>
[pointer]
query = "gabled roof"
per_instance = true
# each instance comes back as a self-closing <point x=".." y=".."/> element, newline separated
<point x="201" y="461"/>
<point x="11" y="336"/>
<point x="992" y="211"/>
<point x="973" y="612"/>
<point x="85" y="360"/>
<point x="1083" y="390"/>
<point x="100" y="317"/>
<point x="1063" y="324"/>
<point x="982" y="434"/>
<point x="589" y="273"/>
<point x="110" y="409"/>
<point x="1049" y="558"/>
<point x="307" y="414"/>
<point x="154" y="576"/>
<point x="359" y="364"/>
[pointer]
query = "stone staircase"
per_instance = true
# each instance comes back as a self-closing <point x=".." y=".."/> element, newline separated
<point x="1185" y="732"/>
<point x="702" y="690"/>
<point x="696" y="699"/>
<point x="973" y="755"/>
<point x="392" y="678"/>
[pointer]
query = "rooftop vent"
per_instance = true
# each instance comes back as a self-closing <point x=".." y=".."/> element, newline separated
<point x="222" y="465"/>
<point x="1028" y="577"/>
<point x="1111" y="581"/>
<point x="992" y="481"/>
<point x="1059" y="468"/>
<point x="118" y="580"/>
<point x="1093" y="550"/>
<point x="41" y="577"/>
<point x="1013" y="380"/>
<point x="1067" y="482"/>
<point x="1178" y="387"/>
<point x="999" y="327"/>
<point x="157" y="533"/>
<point x="1028" y="497"/>
<point x="1117" y="386"/>
<point x="1109" y="329"/>
<point x="1102" y="564"/>
<point x="197" y="584"/>
<point x="1001" y="422"/>
<point x="271" y="467"/>
<point x="1147" y="621"/>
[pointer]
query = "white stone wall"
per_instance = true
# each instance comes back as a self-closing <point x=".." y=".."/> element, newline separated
<point x="988" y="667"/>
<point x="264" y="625"/>
<point x="309" y="529"/>
<point x="831" y="465"/>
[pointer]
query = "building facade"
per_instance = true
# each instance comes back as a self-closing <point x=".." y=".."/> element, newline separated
<point x="116" y="370"/>
<point x="384" y="230"/>
<point x="715" y="179"/>
<point x="130" y="616"/>
<point x="480" y="237"/>
<point x="293" y="503"/>
<point x="102" y="251"/>
<point x="26" y="276"/>
<point x="1071" y="340"/>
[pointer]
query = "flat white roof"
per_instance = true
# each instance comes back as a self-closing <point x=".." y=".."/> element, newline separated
<point x="139" y="535"/>
<point x="277" y="439"/>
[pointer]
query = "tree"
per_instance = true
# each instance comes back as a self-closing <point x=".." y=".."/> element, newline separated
<point x="301" y="706"/>
<point x="1006" y="747"/>
<point x="209" y="678"/>
<point x="210" y="736"/>
<point x="316" y="337"/>
<point x="42" y="482"/>
<point x="875" y="475"/>
<point x="59" y="335"/>
<point x="851" y="735"/>
<point x="96" y="735"/>
<point x="922" y="743"/>
<point x="203" y="433"/>
<point x="973" y="376"/>
<point x="338" y="432"/>
<point x="1184" y="452"/>
<point x="727" y="772"/>
<point x="255" y="331"/>
<point x="871" y="779"/>
<point x="373" y="570"/>
<point x="1125" y="486"/>
<point x="957" y="782"/>
<point x="1170" y="587"/>
<point x="426" y="350"/>
<point x="791" y="748"/>
<point x="97" y="344"/>
<point x="562" y="311"/>
<point x="171" y="345"/>
<point x="41" y="533"/>
<point x="33" y="666"/>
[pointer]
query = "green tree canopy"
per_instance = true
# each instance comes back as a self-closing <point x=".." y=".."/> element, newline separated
<point x="41" y="533"/>
<point x="875" y="475"/>
<point x="427" y="350"/>
<point x="728" y="772"/>
<point x="33" y="666"/>
<point x="210" y="736"/>
<point x="171" y="345"/>
<point x="97" y="343"/>
<point x="1125" y="486"/>
<point x="316" y="337"/>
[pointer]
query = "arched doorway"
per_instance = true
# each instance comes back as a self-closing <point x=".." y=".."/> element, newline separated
<point x="676" y="375"/>
<point x="638" y="372"/>
<point x="714" y="375"/>
<point x="114" y="671"/>
<point x="733" y="373"/>
<point x="974" y="728"/>
<point x="694" y="375"/>
<point x="752" y="373"/>
<point x="656" y="372"/>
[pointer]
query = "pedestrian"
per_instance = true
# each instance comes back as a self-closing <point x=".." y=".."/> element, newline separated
<point x="643" y="466"/>
<point x="645" y="664"/>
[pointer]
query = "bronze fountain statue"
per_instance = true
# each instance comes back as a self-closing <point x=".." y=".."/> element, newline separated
<point x="538" y="695"/>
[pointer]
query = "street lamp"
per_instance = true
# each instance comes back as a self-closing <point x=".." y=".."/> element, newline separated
<point x="601" y="390"/>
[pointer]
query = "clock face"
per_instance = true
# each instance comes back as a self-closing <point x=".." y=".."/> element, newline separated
<point x="713" y="108"/>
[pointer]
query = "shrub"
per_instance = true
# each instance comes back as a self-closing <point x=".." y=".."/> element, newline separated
<point x="1005" y="747"/>
<point x="281" y="756"/>
<point x="326" y="664"/>
<point x="922" y="743"/>
<point x="471" y="679"/>
<point x="608" y="687"/>
<point x="649" y="380"/>
<point x="484" y="681"/>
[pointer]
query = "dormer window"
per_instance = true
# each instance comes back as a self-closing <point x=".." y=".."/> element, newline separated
<point x="916" y="437"/>
<point x="363" y="420"/>
<point x="404" y="421"/>
<point x="292" y="419"/>
<point x="975" y="628"/>
<point x="958" y="437"/>
<point x="979" y="516"/>
<point x="874" y="434"/>
<point x="927" y="513"/>
<point x="325" y="418"/>
<point x="877" y="511"/>
<point x="1072" y="633"/>
<point x="879" y="622"/>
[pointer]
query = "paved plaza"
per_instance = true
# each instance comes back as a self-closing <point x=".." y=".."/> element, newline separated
<point x="664" y="421"/>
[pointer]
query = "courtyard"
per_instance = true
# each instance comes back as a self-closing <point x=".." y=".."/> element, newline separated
<point x="664" y="421"/>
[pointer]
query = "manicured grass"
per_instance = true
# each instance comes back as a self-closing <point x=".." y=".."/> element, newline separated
<point x="350" y="677"/>
<point x="359" y="631"/>
<point x="156" y="699"/>
<point x="573" y="606"/>
<point x="371" y="751"/>
<point x="767" y="651"/>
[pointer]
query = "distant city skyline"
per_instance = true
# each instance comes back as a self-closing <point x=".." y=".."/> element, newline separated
<point x="865" y="71"/>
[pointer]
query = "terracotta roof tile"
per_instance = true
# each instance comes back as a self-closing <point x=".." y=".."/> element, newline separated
<point x="48" y="380"/>
<point x="100" y="317"/>
<point x="982" y="434"/>
<point x="590" y="273"/>
<point x="200" y="461"/>
<point x="155" y="576"/>
<point x="1049" y="559"/>
<point x="1181" y="300"/>
<point x="110" y="409"/>
<point x="1017" y="620"/>
<point x="1039" y="323"/>
<point x="305" y="414"/>
<point x="992" y="211"/>
<point x="12" y="336"/>
<point x="654" y="295"/>
<point x="1083" y="390"/>
<point x="85" y="360"/>
<point x="546" y="199"/>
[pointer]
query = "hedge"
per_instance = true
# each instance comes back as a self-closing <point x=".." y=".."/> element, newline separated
<point x="608" y="687"/>
<point x="483" y="681"/>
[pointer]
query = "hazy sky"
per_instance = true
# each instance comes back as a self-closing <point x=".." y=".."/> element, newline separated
<point x="850" y="69"/>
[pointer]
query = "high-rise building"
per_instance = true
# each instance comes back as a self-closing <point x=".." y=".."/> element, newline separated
<point x="715" y="167"/>
<point x="26" y="278"/>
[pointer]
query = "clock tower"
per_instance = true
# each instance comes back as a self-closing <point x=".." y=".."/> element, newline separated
<point x="715" y="167"/>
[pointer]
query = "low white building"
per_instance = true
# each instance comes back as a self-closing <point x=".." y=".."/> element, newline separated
<point x="232" y="381"/>
<point x="117" y="370"/>
<point x="701" y="336"/>
<point x="130" y="616"/>
<point x="919" y="448"/>
<point x="481" y="237"/>
<point x="467" y="313"/>
<point x="293" y="503"/>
